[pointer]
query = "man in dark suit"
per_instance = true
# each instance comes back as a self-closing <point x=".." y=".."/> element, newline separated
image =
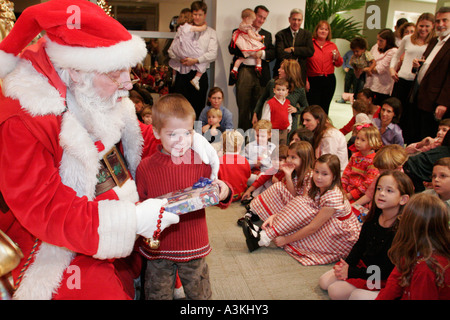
<point x="294" y="43"/>
<point x="433" y="94"/>
<point x="249" y="84"/>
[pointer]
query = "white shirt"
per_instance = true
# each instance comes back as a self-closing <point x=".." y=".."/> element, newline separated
<point x="254" y="152"/>
<point x="334" y="142"/>
<point x="411" y="51"/>
<point x="423" y="70"/>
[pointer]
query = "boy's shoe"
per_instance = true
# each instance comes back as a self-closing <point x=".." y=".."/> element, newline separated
<point x="340" y="101"/>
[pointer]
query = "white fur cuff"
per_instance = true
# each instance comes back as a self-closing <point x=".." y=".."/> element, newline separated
<point x="9" y="62"/>
<point x="117" y="229"/>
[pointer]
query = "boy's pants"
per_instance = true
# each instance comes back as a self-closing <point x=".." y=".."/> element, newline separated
<point x="160" y="279"/>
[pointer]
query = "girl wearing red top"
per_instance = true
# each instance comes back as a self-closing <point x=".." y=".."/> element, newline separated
<point x="321" y="81"/>
<point x="420" y="252"/>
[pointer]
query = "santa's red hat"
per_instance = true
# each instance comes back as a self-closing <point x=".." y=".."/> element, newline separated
<point x="80" y="35"/>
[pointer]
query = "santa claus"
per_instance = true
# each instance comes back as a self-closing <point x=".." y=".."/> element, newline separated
<point x="70" y="144"/>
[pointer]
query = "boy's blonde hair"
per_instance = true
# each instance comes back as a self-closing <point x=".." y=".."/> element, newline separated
<point x="373" y="136"/>
<point x="246" y="13"/>
<point x="390" y="157"/>
<point x="232" y="141"/>
<point x="147" y="110"/>
<point x="214" y="112"/>
<point x="172" y="105"/>
<point x="263" y="124"/>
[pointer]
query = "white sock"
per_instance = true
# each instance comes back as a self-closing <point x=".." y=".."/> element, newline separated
<point x="264" y="239"/>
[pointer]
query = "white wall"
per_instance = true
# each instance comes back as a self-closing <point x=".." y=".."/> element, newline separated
<point x="227" y="18"/>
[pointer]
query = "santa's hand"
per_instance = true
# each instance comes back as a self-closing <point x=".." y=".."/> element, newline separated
<point x="207" y="153"/>
<point x="147" y="214"/>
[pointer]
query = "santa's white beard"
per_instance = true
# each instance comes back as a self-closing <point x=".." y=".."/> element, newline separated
<point x="100" y="117"/>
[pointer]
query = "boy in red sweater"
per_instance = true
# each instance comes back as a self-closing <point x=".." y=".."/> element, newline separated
<point x="276" y="110"/>
<point x="183" y="247"/>
<point x="234" y="168"/>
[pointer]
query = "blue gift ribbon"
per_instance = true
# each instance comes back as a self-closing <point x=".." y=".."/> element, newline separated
<point x="201" y="183"/>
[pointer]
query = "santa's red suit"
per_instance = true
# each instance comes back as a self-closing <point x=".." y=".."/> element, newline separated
<point x="75" y="245"/>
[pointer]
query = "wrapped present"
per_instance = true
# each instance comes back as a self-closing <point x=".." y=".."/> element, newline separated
<point x="201" y="195"/>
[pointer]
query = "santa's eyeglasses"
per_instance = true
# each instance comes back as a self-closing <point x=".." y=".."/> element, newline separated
<point x="122" y="85"/>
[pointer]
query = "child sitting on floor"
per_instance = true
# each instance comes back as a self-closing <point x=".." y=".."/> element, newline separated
<point x="420" y="253"/>
<point x="360" y="171"/>
<point x="349" y="278"/>
<point x="272" y="176"/>
<point x="316" y="228"/>
<point x="390" y="157"/>
<point x="234" y="168"/>
<point x="429" y="143"/>
<point x="440" y="180"/>
<point x="259" y="151"/>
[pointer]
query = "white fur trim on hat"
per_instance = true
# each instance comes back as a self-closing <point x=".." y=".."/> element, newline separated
<point x="125" y="54"/>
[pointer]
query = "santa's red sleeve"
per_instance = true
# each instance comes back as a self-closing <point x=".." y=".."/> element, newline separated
<point x="51" y="211"/>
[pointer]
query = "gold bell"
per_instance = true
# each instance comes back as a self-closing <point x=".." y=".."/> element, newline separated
<point x="10" y="254"/>
<point x="153" y="244"/>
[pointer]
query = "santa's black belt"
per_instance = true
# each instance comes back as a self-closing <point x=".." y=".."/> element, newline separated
<point x="113" y="171"/>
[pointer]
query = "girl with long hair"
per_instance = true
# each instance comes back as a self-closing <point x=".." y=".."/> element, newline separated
<point x="420" y="252"/>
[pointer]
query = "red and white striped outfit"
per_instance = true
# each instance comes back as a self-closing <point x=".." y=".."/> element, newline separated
<point x="332" y="241"/>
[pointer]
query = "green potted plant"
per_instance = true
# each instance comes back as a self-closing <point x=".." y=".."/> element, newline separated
<point x="344" y="28"/>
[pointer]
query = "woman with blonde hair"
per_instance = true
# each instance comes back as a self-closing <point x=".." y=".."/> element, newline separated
<point x="411" y="47"/>
<point x="321" y="82"/>
<point x="289" y="70"/>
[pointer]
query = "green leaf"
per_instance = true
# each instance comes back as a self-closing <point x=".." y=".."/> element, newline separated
<point x="316" y="10"/>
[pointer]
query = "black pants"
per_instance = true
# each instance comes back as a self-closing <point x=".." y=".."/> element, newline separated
<point x="196" y="98"/>
<point x="248" y="91"/>
<point x="321" y="91"/>
<point x="379" y="98"/>
<point x="402" y="90"/>
<point x="349" y="81"/>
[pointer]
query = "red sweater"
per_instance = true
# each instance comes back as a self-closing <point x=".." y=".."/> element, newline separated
<point x="235" y="170"/>
<point x="279" y="114"/>
<point x="422" y="285"/>
<point x="158" y="175"/>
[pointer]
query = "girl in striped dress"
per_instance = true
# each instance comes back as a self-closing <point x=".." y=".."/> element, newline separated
<point x="297" y="171"/>
<point x="316" y="228"/>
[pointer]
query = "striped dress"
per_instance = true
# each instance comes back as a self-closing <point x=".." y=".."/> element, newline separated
<point x="332" y="241"/>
